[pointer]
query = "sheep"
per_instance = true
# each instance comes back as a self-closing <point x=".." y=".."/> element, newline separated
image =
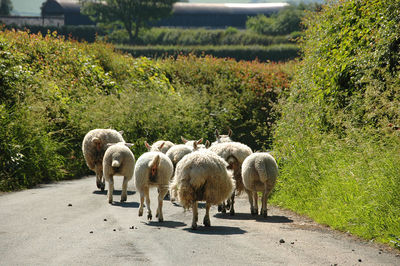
<point x="201" y="176"/>
<point x="259" y="171"/>
<point x="222" y="138"/>
<point x="161" y="145"/>
<point x="93" y="148"/>
<point x="152" y="169"/>
<point x="195" y="143"/>
<point x="118" y="160"/>
<point x="234" y="153"/>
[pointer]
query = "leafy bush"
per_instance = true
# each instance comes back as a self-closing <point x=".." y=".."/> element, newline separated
<point x="337" y="142"/>
<point x="275" y="53"/>
<point x="191" y="37"/>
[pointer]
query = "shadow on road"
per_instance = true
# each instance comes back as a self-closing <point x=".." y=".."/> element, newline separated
<point x="126" y="204"/>
<point x="216" y="230"/>
<point x="116" y="192"/>
<point x="248" y="216"/>
<point x="167" y="224"/>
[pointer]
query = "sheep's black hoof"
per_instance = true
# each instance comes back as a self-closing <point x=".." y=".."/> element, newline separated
<point x="223" y="210"/>
<point x="265" y="214"/>
<point x="206" y="222"/>
<point x="160" y="220"/>
<point x="149" y="216"/>
<point x="102" y="186"/>
<point x="254" y="212"/>
<point x="219" y="208"/>
<point x="194" y="226"/>
<point x="232" y="212"/>
<point x="123" y="199"/>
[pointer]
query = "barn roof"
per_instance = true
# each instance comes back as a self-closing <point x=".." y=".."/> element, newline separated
<point x="61" y="6"/>
<point x="227" y="8"/>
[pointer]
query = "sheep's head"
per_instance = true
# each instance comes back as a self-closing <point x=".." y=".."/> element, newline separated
<point x="223" y="138"/>
<point x="154" y="147"/>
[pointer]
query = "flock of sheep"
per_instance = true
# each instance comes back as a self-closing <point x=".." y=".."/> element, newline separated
<point x="190" y="172"/>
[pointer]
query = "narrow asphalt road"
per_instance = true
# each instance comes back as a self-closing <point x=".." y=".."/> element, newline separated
<point x="71" y="223"/>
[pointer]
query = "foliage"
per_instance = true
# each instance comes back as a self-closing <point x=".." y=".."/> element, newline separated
<point x="283" y="52"/>
<point x="338" y="140"/>
<point x="54" y="91"/>
<point x="286" y="21"/>
<point x="132" y="14"/>
<point x="190" y="37"/>
<point x="6" y="7"/>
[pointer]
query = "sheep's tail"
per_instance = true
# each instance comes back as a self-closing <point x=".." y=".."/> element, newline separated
<point x="115" y="163"/>
<point x="266" y="171"/>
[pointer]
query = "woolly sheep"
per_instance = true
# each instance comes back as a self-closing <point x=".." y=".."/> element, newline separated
<point x="118" y="160"/>
<point x="259" y="171"/>
<point x="201" y="176"/>
<point x="222" y="138"/>
<point x="152" y="169"/>
<point x="196" y="144"/>
<point x="161" y="145"/>
<point x="93" y="148"/>
<point x="234" y="153"/>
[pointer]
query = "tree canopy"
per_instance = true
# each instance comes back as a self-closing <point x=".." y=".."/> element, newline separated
<point x="133" y="14"/>
<point x="5" y="7"/>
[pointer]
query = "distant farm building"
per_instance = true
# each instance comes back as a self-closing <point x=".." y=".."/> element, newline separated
<point x="70" y="10"/>
<point x="186" y="15"/>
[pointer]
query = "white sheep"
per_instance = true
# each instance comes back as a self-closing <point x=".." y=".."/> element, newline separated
<point x="222" y="138"/>
<point x="176" y="153"/>
<point x="259" y="171"/>
<point x="93" y="148"/>
<point x="118" y="160"/>
<point x="196" y="144"/>
<point x="160" y="145"/>
<point x="234" y="153"/>
<point x="152" y="169"/>
<point x="201" y="176"/>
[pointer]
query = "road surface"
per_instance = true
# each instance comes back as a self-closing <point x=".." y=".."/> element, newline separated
<point x="71" y="223"/>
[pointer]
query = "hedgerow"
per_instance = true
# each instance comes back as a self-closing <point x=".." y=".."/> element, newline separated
<point x="338" y="139"/>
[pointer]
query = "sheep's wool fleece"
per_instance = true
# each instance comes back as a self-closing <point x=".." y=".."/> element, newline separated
<point x="142" y="170"/>
<point x="259" y="169"/>
<point x="105" y="136"/>
<point x="202" y="176"/>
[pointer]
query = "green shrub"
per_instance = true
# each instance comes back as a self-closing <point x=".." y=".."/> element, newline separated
<point x="275" y="53"/>
<point x="337" y="141"/>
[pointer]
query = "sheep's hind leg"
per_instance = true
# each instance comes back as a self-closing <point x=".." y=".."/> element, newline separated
<point x="161" y="195"/>
<point x="110" y="189"/>
<point x="232" y="210"/>
<point x="146" y="194"/>
<point x="254" y="210"/>
<point x="195" y="215"/>
<point x="124" y="192"/>
<point x="206" y="220"/>
<point x="141" y="203"/>
<point x="265" y="194"/>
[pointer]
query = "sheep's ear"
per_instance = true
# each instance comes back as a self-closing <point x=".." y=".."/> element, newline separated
<point x="216" y="134"/>
<point x="200" y="141"/>
<point x="194" y="145"/>
<point x="184" y="140"/>
<point x="121" y="132"/>
<point x="230" y="132"/>
<point x="129" y="145"/>
<point x="208" y="144"/>
<point x="97" y="142"/>
<point x="161" y="146"/>
<point x="147" y="145"/>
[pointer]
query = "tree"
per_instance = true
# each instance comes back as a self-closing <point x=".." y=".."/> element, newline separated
<point x="5" y="7"/>
<point x="133" y="14"/>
